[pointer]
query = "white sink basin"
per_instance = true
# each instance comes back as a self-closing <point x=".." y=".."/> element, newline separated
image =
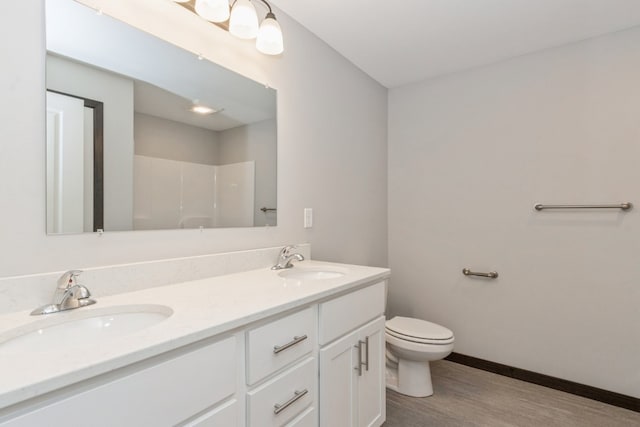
<point x="310" y="274"/>
<point x="82" y="328"/>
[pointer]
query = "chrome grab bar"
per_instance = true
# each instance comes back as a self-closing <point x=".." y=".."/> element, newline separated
<point x="278" y="348"/>
<point x="624" y="206"/>
<point x="491" y="274"/>
<point x="297" y="395"/>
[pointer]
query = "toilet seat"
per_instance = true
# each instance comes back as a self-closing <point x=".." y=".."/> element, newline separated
<point x="418" y="331"/>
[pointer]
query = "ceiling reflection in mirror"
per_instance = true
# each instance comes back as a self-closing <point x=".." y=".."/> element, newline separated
<point x="142" y="135"/>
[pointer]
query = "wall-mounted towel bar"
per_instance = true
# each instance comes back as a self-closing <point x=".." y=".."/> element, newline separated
<point x="624" y="206"/>
<point x="491" y="274"/>
<point x="265" y="210"/>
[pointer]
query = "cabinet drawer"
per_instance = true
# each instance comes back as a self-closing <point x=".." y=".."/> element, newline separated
<point x="345" y="313"/>
<point x="225" y="415"/>
<point x="162" y="394"/>
<point x="308" y="418"/>
<point x="280" y="391"/>
<point x="278" y="343"/>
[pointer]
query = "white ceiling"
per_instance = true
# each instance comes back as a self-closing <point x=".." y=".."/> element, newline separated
<point x="154" y="101"/>
<point x="74" y="31"/>
<point x="405" y="41"/>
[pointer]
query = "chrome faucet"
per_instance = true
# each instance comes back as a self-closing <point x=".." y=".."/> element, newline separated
<point x="69" y="295"/>
<point x="285" y="257"/>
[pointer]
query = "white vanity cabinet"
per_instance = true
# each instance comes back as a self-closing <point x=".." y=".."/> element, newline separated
<point x="315" y="363"/>
<point x="282" y="370"/>
<point x="165" y="392"/>
<point x="352" y="389"/>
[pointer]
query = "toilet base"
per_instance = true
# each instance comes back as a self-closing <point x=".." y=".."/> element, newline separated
<point x="410" y="378"/>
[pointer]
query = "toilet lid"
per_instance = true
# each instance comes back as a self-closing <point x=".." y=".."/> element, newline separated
<point x="416" y="328"/>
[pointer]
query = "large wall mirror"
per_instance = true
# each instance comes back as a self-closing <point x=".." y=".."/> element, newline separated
<point x="144" y="135"/>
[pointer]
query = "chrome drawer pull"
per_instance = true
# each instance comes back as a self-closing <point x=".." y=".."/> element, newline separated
<point x="491" y="274"/>
<point x="366" y="354"/>
<point x="360" y="362"/>
<point x="359" y="366"/>
<point x="278" y="348"/>
<point x="625" y="206"/>
<point x="297" y="395"/>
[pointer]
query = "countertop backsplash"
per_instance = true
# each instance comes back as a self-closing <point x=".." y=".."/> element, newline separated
<point x="30" y="291"/>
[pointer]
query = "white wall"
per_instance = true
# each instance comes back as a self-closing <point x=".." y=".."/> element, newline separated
<point x="331" y="148"/>
<point x="257" y="142"/>
<point x="166" y="139"/>
<point x="469" y="156"/>
<point x="116" y="93"/>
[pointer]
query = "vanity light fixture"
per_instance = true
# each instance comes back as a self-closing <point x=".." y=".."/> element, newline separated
<point x="241" y="20"/>
<point x="213" y="10"/>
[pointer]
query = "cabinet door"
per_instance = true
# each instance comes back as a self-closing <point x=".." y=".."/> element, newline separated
<point x="224" y="415"/>
<point x="161" y="394"/>
<point x="371" y="384"/>
<point x="338" y="381"/>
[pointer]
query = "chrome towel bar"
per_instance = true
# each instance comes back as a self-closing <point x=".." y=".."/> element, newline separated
<point x="624" y="206"/>
<point x="490" y="275"/>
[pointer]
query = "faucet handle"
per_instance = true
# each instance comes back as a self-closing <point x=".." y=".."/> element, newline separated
<point x="81" y="292"/>
<point x="74" y="297"/>
<point x="287" y="250"/>
<point x="68" y="279"/>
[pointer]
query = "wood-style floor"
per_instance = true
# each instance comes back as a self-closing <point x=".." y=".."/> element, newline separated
<point x="465" y="397"/>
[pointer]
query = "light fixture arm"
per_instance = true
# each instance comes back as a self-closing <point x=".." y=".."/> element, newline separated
<point x="269" y="39"/>
<point x="241" y="20"/>
<point x="268" y="6"/>
<point x="263" y="1"/>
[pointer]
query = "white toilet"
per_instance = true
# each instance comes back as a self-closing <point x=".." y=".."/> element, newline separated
<point x="411" y="345"/>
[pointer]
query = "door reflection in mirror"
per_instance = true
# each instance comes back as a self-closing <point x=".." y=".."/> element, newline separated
<point x="74" y="163"/>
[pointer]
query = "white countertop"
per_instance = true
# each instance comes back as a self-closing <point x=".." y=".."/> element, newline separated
<point x="201" y="309"/>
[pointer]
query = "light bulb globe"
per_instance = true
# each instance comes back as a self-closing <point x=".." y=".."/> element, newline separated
<point x="243" y="22"/>
<point x="213" y="10"/>
<point x="269" y="39"/>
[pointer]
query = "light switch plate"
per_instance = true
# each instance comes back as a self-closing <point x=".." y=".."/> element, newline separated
<point x="308" y="217"/>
